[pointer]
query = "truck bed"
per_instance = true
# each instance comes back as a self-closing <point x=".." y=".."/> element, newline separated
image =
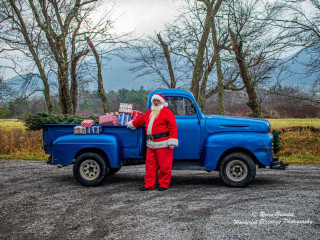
<point x="133" y="142"/>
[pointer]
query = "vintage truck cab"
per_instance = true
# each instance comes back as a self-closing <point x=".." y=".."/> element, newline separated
<point x="234" y="146"/>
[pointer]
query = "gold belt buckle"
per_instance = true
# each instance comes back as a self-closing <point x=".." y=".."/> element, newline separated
<point x="150" y="137"/>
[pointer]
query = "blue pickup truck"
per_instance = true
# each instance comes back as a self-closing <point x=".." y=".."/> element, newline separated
<point x="234" y="146"/>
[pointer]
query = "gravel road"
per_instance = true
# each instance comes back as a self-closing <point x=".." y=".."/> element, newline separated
<point x="39" y="201"/>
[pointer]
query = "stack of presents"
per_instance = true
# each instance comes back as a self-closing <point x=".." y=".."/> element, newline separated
<point x="124" y="115"/>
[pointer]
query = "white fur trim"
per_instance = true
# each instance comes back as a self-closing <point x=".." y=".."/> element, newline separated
<point x="130" y="125"/>
<point x="173" y="141"/>
<point x="149" y="129"/>
<point x="157" y="97"/>
<point x="162" y="144"/>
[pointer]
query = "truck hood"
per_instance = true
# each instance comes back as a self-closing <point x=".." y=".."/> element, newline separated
<point x="217" y="123"/>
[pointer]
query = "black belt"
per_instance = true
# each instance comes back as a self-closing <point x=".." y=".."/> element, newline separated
<point x="156" y="136"/>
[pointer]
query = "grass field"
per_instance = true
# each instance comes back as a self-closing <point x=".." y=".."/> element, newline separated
<point x="10" y="124"/>
<point x="298" y="145"/>
<point x="293" y="122"/>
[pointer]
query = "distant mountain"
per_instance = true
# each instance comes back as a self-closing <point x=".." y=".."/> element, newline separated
<point x="296" y="71"/>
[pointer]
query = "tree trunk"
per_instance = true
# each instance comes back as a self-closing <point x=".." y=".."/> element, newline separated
<point x="100" y="80"/>
<point x="169" y="64"/>
<point x="218" y="68"/>
<point x="46" y="92"/>
<point x="202" y="98"/>
<point x="30" y="46"/>
<point x="198" y="66"/>
<point x="74" y="79"/>
<point x="253" y="102"/>
<point x="64" y="92"/>
<point x="57" y="43"/>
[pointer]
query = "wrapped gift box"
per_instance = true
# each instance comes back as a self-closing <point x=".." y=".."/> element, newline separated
<point x="79" y="130"/>
<point x="87" y="123"/>
<point x="124" y="118"/>
<point x="125" y="108"/>
<point x="108" y="120"/>
<point x="113" y="113"/>
<point x="96" y="130"/>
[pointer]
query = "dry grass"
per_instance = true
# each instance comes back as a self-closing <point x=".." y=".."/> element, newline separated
<point x="299" y="146"/>
<point x="17" y="143"/>
<point x="20" y="144"/>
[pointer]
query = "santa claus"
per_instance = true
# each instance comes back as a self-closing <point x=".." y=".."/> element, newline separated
<point x="161" y="131"/>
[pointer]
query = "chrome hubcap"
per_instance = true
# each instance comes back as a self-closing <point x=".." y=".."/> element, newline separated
<point x="89" y="169"/>
<point x="237" y="170"/>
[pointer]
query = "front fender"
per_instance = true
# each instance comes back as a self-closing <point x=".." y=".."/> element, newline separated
<point x="66" y="147"/>
<point x="215" y="145"/>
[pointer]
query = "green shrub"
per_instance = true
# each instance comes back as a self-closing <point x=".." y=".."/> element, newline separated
<point x="34" y="122"/>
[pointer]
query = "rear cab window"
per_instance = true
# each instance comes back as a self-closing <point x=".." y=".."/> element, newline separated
<point x="180" y="106"/>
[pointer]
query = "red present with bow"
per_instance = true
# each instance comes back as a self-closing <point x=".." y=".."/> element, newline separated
<point x="108" y="119"/>
<point x="87" y="123"/>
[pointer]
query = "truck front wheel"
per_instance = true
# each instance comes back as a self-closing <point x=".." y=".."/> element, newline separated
<point x="237" y="169"/>
<point x="90" y="169"/>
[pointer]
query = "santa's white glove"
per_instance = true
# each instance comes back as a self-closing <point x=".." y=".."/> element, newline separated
<point x="130" y="125"/>
<point x="171" y="146"/>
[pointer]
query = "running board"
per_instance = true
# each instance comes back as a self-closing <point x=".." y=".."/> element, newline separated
<point x="189" y="168"/>
<point x="187" y="165"/>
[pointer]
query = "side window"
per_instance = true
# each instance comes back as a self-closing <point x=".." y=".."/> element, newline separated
<point x="180" y="106"/>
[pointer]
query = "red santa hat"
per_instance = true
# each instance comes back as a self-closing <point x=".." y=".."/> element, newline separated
<point x="160" y="98"/>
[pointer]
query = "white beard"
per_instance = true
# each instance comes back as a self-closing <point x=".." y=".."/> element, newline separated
<point x="155" y="111"/>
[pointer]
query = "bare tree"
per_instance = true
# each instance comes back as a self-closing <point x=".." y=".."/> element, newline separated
<point x="212" y="8"/>
<point x="100" y="80"/>
<point x="299" y="21"/>
<point x="57" y="30"/>
<point x="183" y="39"/>
<point x="55" y="18"/>
<point x="257" y="47"/>
<point x="217" y="59"/>
<point x="153" y="57"/>
<point x="168" y="59"/>
<point x="20" y="34"/>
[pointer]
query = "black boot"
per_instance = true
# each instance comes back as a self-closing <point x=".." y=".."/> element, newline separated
<point x="144" y="189"/>
<point x="162" y="189"/>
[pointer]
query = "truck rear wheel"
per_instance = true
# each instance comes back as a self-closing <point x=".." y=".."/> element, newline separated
<point x="90" y="169"/>
<point x="237" y="169"/>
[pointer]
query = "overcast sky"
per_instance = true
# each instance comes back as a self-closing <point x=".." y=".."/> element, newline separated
<point x="145" y="16"/>
<point x="141" y="16"/>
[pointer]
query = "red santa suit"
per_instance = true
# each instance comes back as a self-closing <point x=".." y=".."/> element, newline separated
<point x="161" y="134"/>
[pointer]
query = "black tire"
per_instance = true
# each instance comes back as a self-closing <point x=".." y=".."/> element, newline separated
<point x="113" y="170"/>
<point x="237" y="169"/>
<point x="90" y="169"/>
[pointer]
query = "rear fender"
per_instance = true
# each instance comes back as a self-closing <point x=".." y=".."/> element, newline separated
<point x="215" y="145"/>
<point x="67" y="147"/>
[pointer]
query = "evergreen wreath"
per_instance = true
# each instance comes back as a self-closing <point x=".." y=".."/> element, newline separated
<point x="276" y="141"/>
